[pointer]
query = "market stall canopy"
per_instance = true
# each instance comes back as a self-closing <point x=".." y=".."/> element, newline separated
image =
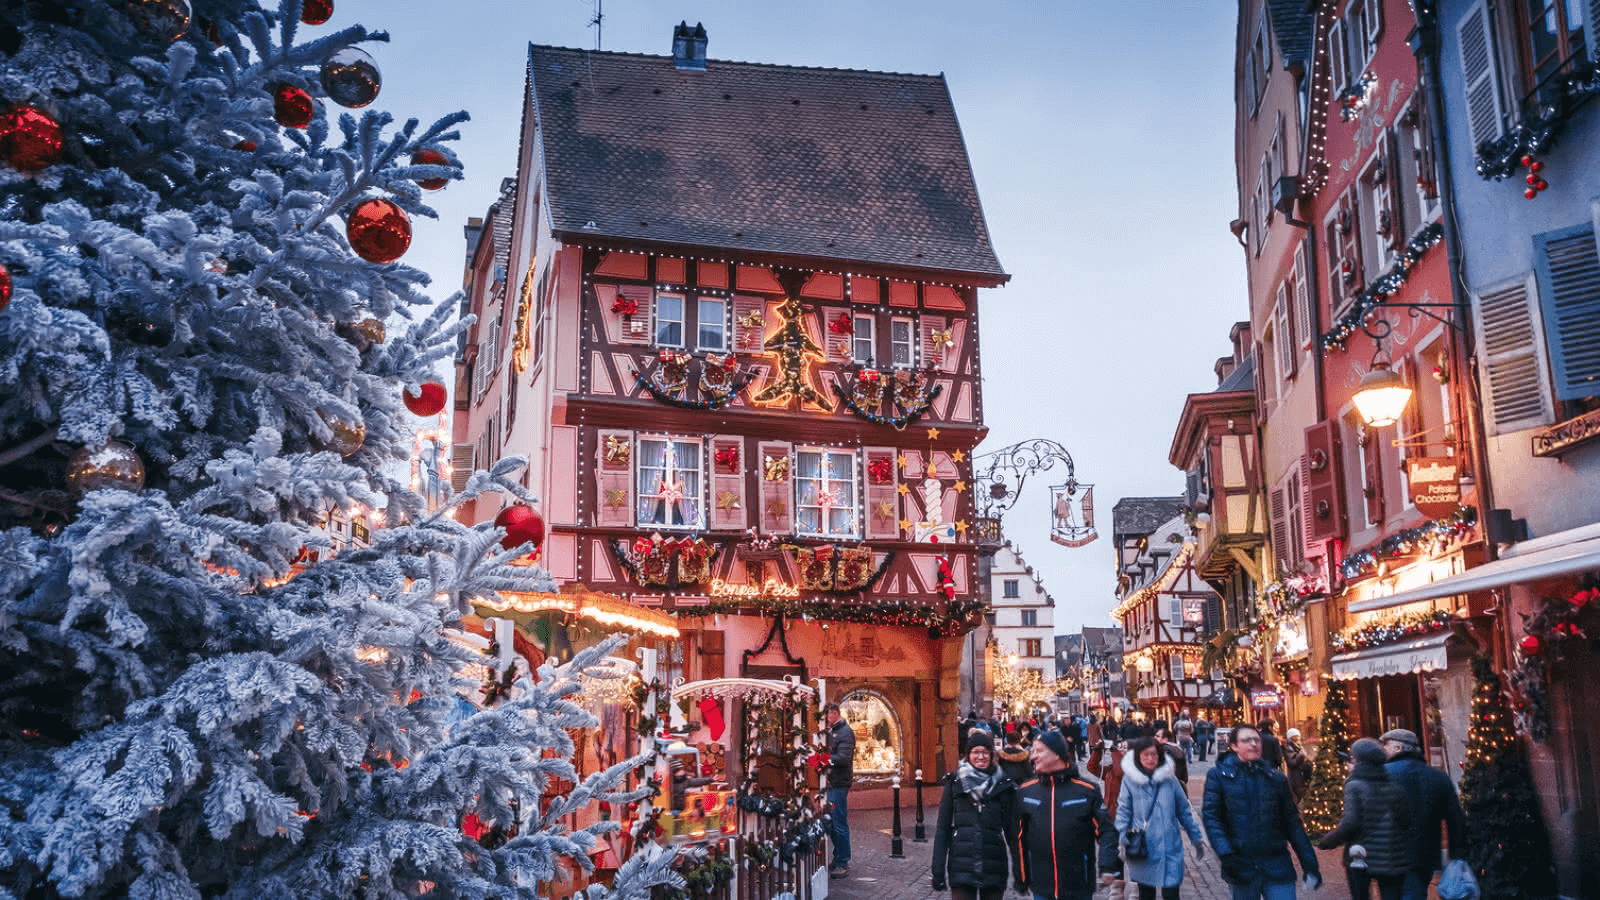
<point x="1424" y="654"/>
<point x="577" y="600"/>
<point x="1528" y="561"/>
<point x="742" y="688"/>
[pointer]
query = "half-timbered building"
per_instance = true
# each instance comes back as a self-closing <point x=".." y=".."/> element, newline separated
<point x="736" y="333"/>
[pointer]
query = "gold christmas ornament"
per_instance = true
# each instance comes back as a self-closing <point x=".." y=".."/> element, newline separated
<point x="115" y="466"/>
<point x="347" y="436"/>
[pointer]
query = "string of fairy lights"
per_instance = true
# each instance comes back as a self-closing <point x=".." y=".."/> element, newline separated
<point x="1387" y="284"/>
<point x="1409" y="541"/>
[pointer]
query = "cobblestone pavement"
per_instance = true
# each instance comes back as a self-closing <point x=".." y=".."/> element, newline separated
<point x="875" y="876"/>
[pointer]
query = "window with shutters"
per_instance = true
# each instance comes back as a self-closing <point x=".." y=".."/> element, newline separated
<point x="1260" y="62"/>
<point x="1263" y="208"/>
<point x="1416" y="189"/>
<point x="1363" y="25"/>
<point x="825" y="493"/>
<point x="1175" y="612"/>
<point x="1294" y="527"/>
<point x="712" y="324"/>
<point x="1175" y="666"/>
<point x="1569" y="294"/>
<point x="1283" y="333"/>
<point x="669" y="482"/>
<point x="1300" y="297"/>
<point x="1281" y="539"/>
<point x="902" y="342"/>
<point x="863" y="340"/>
<point x="1378" y="222"/>
<point x="1370" y="445"/>
<point x="1551" y="41"/>
<point x="669" y="320"/>
<point x="1342" y="233"/>
<point x="1480" y="73"/>
<point x="1031" y="647"/>
<point x="1511" y="358"/>
<point x="1338" y="56"/>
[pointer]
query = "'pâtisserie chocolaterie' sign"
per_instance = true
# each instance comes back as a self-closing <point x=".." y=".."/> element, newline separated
<point x="1435" y="484"/>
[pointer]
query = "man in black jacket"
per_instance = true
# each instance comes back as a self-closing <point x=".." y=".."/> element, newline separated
<point x="1061" y="822"/>
<point x="841" y="772"/>
<point x="1432" y="801"/>
<point x="1251" y="821"/>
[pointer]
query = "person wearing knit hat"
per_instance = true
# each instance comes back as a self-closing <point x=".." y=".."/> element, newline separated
<point x="1431" y="801"/>
<point x="976" y="828"/>
<point x="1063" y="826"/>
<point x="1372" y="827"/>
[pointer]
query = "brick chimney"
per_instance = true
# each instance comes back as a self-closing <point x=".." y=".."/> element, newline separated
<point x="689" y="47"/>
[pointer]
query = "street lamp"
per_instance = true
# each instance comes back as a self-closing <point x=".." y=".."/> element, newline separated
<point x="1381" y="397"/>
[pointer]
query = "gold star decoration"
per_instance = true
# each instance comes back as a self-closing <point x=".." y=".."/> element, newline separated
<point x="901" y="487"/>
<point x="959" y="456"/>
<point x="961" y="527"/>
<point x="616" y="498"/>
<point x="960" y="486"/>
<point x="727" y="500"/>
<point x="933" y="434"/>
<point x="901" y="461"/>
<point x="882" y="509"/>
<point x="905" y="524"/>
<point x="777" y="509"/>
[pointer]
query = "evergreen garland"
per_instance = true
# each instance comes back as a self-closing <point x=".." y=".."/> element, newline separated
<point x="1323" y="802"/>
<point x="1507" y="844"/>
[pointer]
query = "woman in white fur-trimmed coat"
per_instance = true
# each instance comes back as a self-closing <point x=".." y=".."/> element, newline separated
<point x="1152" y="799"/>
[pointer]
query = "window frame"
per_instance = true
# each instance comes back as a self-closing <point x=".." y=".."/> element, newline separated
<point x="910" y="342"/>
<point x="870" y="338"/>
<point x="721" y="325"/>
<point x="826" y="482"/>
<point x="640" y="495"/>
<point x="1175" y="667"/>
<point x="656" y="319"/>
<point x="1011" y="589"/>
<point x="1030" y="618"/>
<point x="1560" y="58"/>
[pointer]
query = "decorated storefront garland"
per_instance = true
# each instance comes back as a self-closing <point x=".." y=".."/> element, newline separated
<point x="1281" y="600"/>
<point x="1386" y="285"/>
<point x="908" y="613"/>
<point x="1538" y="131"/>
<point x="838" y="569"/>
<point x="1409" y="625"/>
<point x="1545" y="637"/>
<point x="720" y="379"/>
<point x="650" y="559"/>
<point x="1409" y="541"/>
<point x="912" y="393"/>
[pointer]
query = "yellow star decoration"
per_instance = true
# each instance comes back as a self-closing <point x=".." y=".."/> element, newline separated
<point x="882" y="509"/>
<point x="901" y="487"/>
<point x="960" y="486"/>
<point x="616" y="498"/>
<point x="933" y="434"/>
<point x="905" y="524"/>
<point x="727" y="500"/>
<point x="777" y="509"/>
<point x="901" y="461"/>
<point x="961" y="527"/>
<point x="959" y="456"/>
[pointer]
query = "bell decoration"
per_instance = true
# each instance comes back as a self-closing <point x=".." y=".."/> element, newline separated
<point x="315" y="12"/>
<point x="427" y="157"/>
<point x="162" y="20"/>
<point x="428" y="402"/>
<point x="351" y="78"/>
<point x="347" y="436"/>
<point x="523" y="525"/>
<point x="379" y="231"/>
<point x="114" y="466"/>
<point x="30" y="139"/>
<point x="292" y="107"/>
<point x="5" y="287"/>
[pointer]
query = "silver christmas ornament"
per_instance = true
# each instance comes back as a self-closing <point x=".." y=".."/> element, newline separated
<point x="351" y="78"/>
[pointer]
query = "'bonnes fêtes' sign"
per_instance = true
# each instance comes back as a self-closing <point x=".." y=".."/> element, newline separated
<point x="772" y="589"/>
<point x="1435" y="484"/>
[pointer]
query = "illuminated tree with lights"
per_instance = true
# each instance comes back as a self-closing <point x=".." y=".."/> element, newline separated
<point x="1323" y="803"/>
<point x="1507" y="844"/>
<point x="1019" y="690"/>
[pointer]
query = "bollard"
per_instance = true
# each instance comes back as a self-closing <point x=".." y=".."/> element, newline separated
<point x="919" y="834"/>
<point x="897" y="847"/>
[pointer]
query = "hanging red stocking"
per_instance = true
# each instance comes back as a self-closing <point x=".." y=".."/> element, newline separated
<point x="711" y="712"/>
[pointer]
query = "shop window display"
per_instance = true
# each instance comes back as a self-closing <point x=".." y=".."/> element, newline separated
<point x="878" y="738"/>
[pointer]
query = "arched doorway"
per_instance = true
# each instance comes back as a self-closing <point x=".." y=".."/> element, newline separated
<point x="880" y="744"/>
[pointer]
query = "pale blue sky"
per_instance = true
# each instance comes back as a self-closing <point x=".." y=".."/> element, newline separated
<point x="1101" y="135"/>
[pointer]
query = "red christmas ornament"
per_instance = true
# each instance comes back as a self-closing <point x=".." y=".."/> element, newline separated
<point x="30" y="139"/>
<point x="315" y="12"/>
<point x="1579" y="599"/>
<point x="523" y="525"/>
<point x="430" y="158"/>
<point x="429" y="402"/>
<point x="1531" y="645"/>
<point x="379" y="231"/>
<point x="1533" y="179"/>
<point x="292" y="107"/>
<point x="1542" y="184"/>
<point x="1531" y="193"/>
<point x="1536" y="166"/>
<point x="245" y="146"/>
<point x="1527" y="160"/>
<point x="5" y="286"/>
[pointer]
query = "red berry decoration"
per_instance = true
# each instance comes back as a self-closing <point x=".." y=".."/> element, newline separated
<point x="5" y="295"/>
<point x="292" y="107"/>
<point x="315" y="12"/>
<point x="379" y="231"/>
<point x="430" y="158"/>
<point x="523" y="525"/>
<point x="29" y="139"/>
<point x="429" y="403"/>
<point x="1531" y="645"/>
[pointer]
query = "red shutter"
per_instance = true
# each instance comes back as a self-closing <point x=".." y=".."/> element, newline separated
<point x="1350" y="251"/>
<point x="614" y="481"/>
<point x="1323" y="493"/>
<point x="749" y="324"/>
<point x="934" y="352"/>
<point x="882" y="510"/>
<point x="1280" y="531"/>
<point x="777" y="494"/>
<point x="1310" y="546"/>
<point x="1412" y="417"/>
<point x="1372" y="462"/>
<point x="728" y="467"/>
<point x="836" y="343"/>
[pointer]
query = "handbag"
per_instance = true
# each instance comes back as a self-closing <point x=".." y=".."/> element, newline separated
<point x="1458" y="882"/>
<point x="1135" y="845"/>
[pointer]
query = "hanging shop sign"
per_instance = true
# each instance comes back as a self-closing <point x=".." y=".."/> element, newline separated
<point x="771" y="589"/>
<point x="1266" y="697"/>
<point x="1435" y="484"/>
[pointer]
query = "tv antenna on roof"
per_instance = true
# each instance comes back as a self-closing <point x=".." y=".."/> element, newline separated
<point x="597" y="21"/>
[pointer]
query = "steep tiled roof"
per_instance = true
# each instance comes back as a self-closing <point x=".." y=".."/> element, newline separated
<point x="1143" y="515"/>
<point x="1292" y="25"/>
<point x="826" y="164"/>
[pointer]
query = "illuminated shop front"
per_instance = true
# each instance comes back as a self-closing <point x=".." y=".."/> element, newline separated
<point x="879" y="748"/>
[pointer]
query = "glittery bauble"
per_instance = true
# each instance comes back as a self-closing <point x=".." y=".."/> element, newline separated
<point x="162" y="20"/>
<point x="1531" y="645"/>
<point x="315" y="12"/>
<point x="347" y="437"/>
<point x="523" y="525"/>
<point x="292" y="107"/>
<point x="115" y="465"/>
<point x="30" y="139"/>
<point x="430" y="402"/>
<point x="5" y="286"/>
<point x="370" y="330"/>
<point x="379" y="231"/>
<point x="430" y="158"/>
<point x="351" y="78"/>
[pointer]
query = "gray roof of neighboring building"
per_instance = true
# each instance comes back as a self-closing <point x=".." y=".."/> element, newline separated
<point x="1242" y="378"/>
<point x="1292" y="25"/>
<point x="824" y="164"/>
<point x="1143" y="515"/>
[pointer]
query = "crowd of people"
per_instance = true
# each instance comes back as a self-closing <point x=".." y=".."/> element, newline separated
<point x="1021" y="809"/>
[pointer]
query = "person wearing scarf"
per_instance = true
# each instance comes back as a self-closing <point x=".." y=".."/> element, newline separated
<point x="977" y="827"/>
<point x="1154" y="801"/>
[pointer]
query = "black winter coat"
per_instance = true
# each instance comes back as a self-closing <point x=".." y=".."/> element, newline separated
<point x="975" y="834"/>
<point x="1251" y="821"/>
<point x="1061" y="823"/>
<point x="1431" y="798"/>
<point x="841" y="755"/>
<point x="1375" y="816"/>
<point x="1015" y="763"/>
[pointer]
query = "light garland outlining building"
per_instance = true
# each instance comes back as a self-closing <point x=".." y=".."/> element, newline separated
<point x="1023" y="632"/>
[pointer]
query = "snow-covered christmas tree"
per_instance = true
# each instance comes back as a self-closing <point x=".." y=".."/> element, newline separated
<point x="197" y="271"/>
